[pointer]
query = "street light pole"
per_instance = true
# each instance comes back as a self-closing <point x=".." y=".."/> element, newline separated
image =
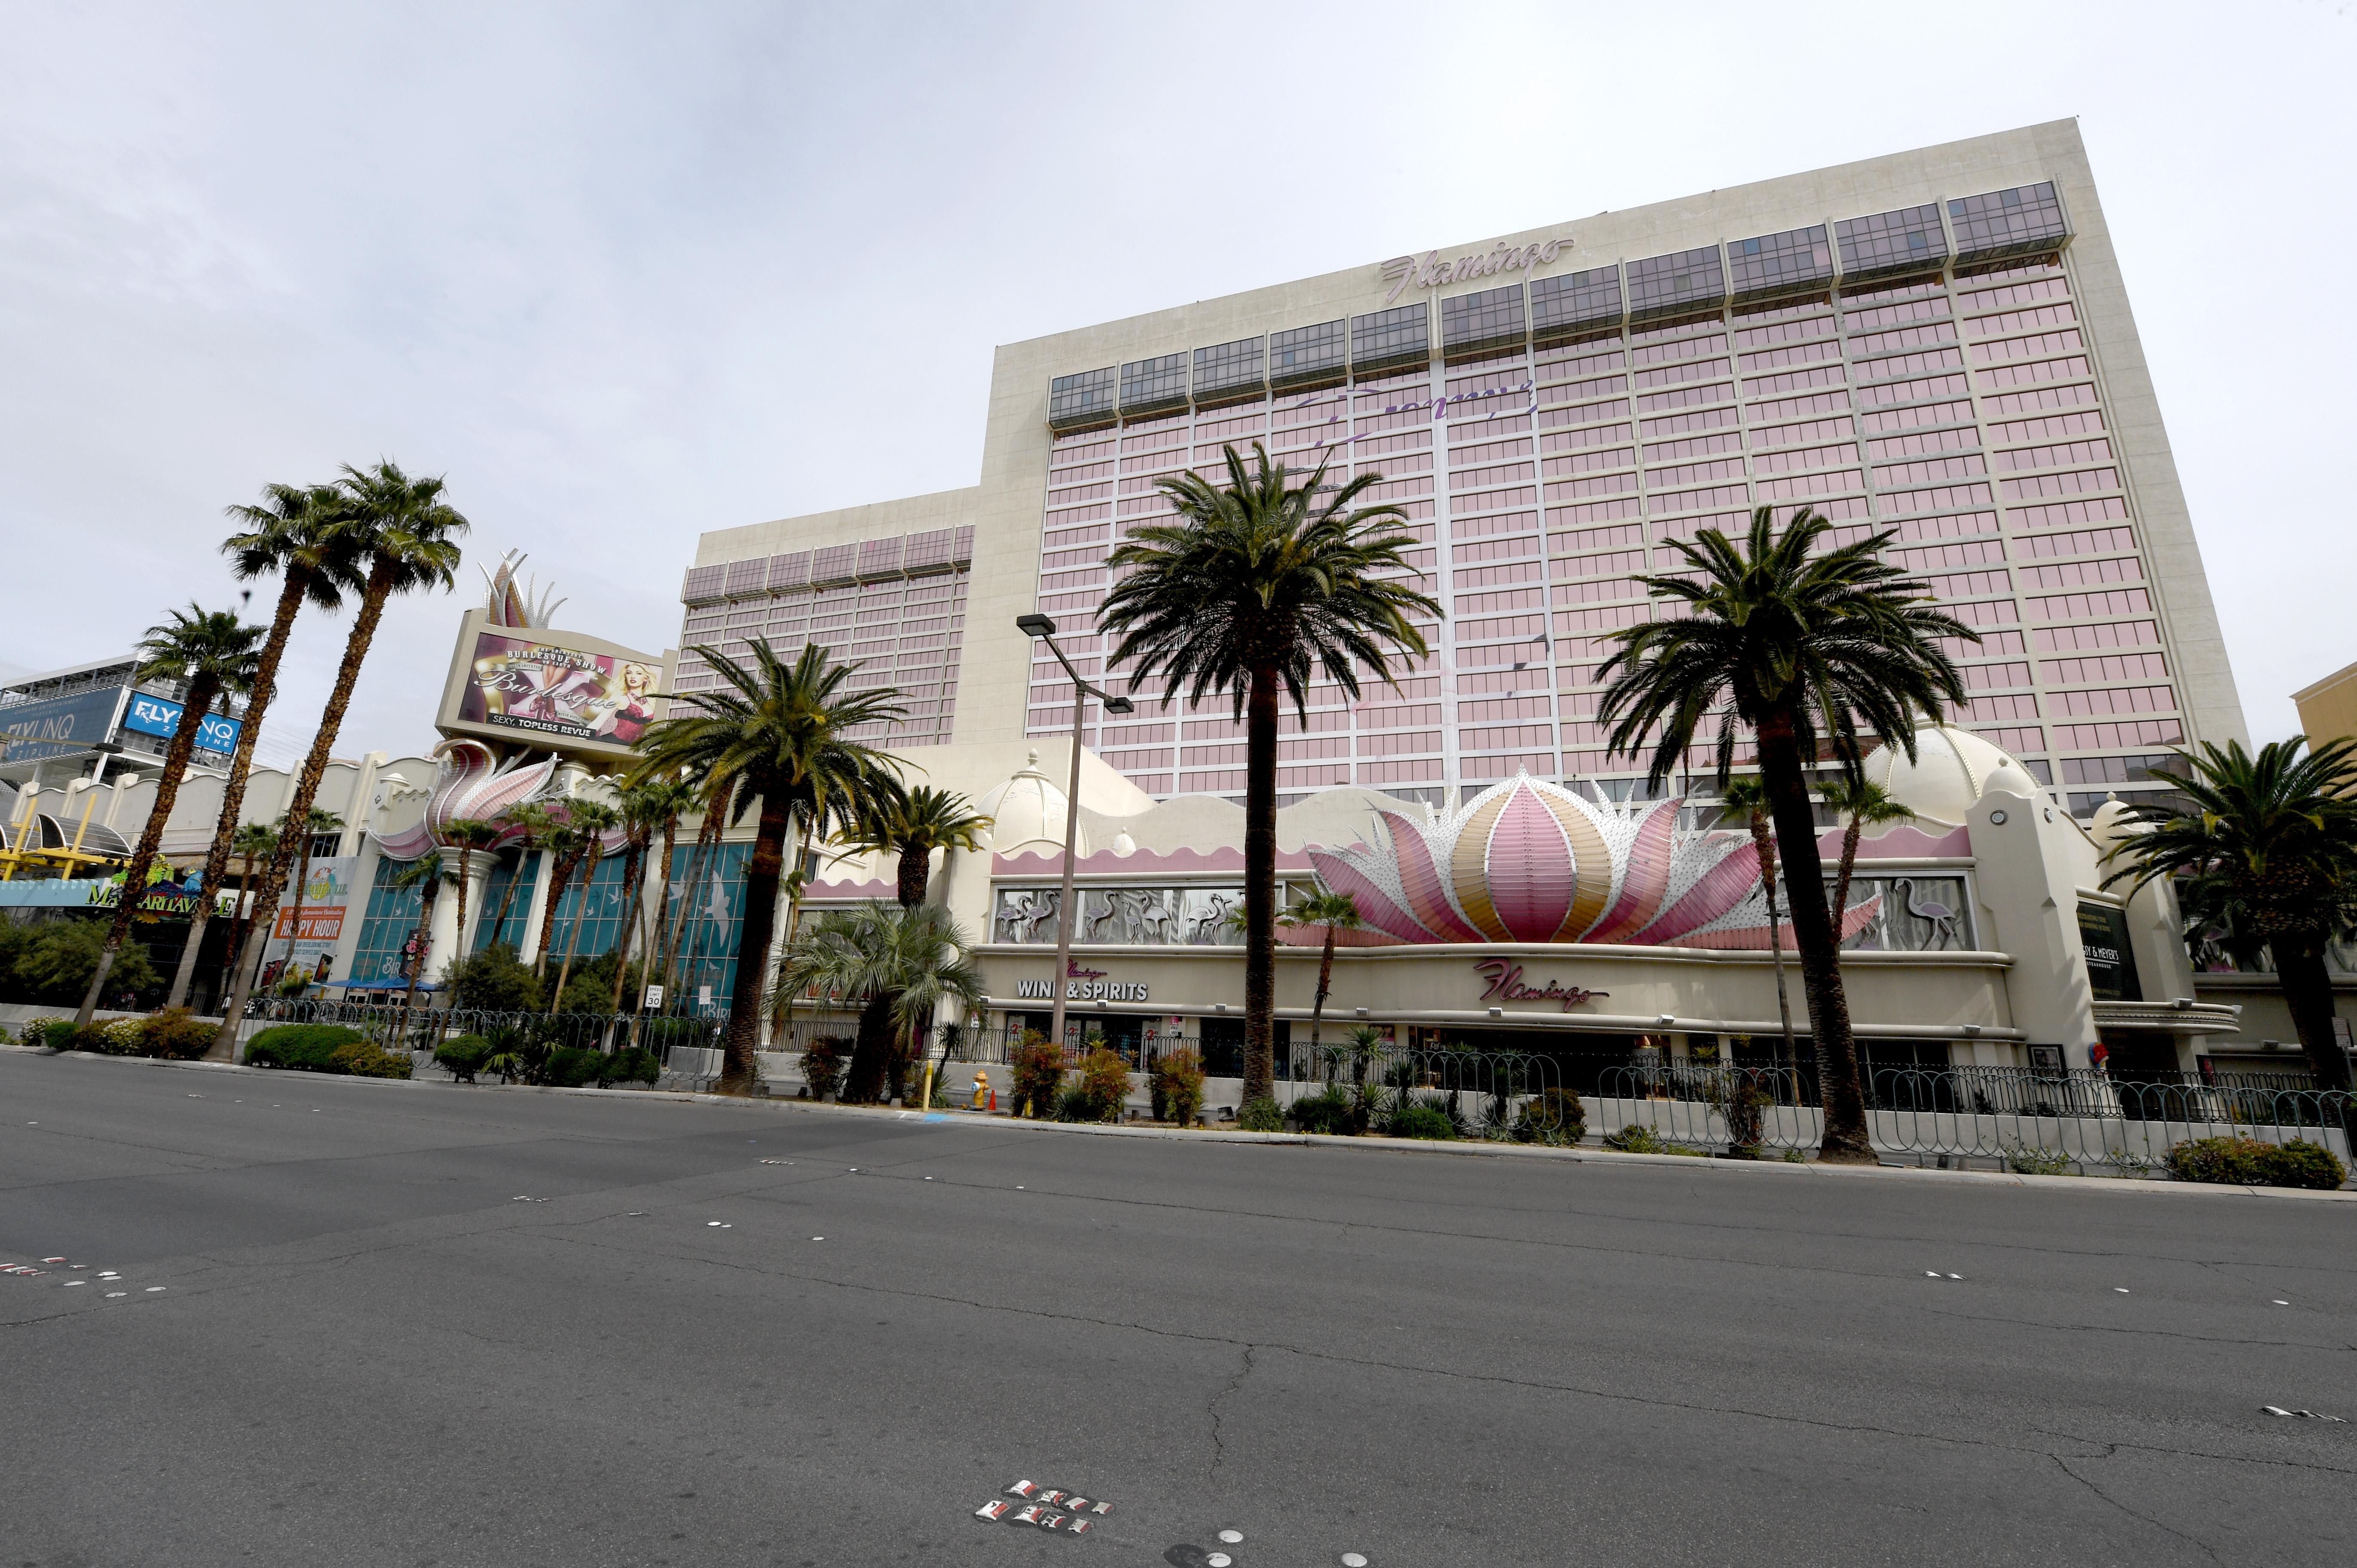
<point x="1043" y="629"/>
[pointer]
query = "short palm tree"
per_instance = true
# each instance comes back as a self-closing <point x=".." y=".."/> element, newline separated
<point x="253" y="844"/>
<point x="409" y="537"/>
<point x="531" y="825"/>
<point x="911" y="824"/>
<point x="895" y="964"/>
<point x="677" y="799"/>
<point x="646" y="809"/>
<point x="296" y="846"/>
<point x="1863" y="804"/>
<point x="429" y="873"/>
<point x="1335" y="912"/>
<point x="210" y="653"/>
<point x="1801" y="649"/>
<point x="2270" y="850"/>
<point x="1748" y="797"/>
<point x="469" y="836"/>
<point x="292" y="534"/>
<point x="770" y="732"/>
<point x="591" y="821"/>
<point x="1255" y="587"/>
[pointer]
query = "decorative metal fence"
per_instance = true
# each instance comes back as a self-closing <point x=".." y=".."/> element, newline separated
<point x="427" y="1028"/>
<point x="2009" y="1118"/>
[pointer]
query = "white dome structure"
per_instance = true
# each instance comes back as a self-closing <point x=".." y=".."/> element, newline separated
<point x="1027" y="812"/>
<point x="1953" y="768"/>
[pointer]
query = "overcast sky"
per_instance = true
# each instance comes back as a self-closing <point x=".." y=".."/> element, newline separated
<point x="625" y="273"/>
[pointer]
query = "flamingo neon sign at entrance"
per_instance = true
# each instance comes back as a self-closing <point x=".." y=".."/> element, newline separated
<point x="1506" y="985"/>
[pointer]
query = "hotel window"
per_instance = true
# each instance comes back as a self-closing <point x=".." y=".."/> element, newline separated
<point x="1390" y="339"/>
<point x="1579" y="302"/>
<point x="1477" y="323"/>
<point x="1675" y="284"/>
<point x="1154" y="386"/>
<point x="1907" y="240"/>
<point x="1230" y="372"/>
<point x="1081" y="400"/>
<point x="1790" y="262"/>
<point x="2016" y="222"/>
<point x="1307" y="356"/>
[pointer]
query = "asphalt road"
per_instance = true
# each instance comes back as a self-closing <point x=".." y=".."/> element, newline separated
<point x="340" y="1335"/>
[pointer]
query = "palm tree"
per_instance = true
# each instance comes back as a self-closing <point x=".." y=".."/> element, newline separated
<point x="2270" y="851"/>
<point x="591" y="821"/>
<point x="531" y="825"/>
<point x="1749" y="796"/>
<point x="316" y="823"/>
<point x="895" y="964"/>
<point x="1801" y="649"/>
<point x="292" y="534"/>
<point x="468" y="835"/>
<point x="1866" y="804"/>
<point x="408" y="535"/>
<point x="1255" y="586"/>
<point x="913" y="822"/>
<point x="773" y="733"/>
<point x="254" y="843"/>
<point x="210" y="653"/>
<point x="1335" y="912"/>
<point x="430" y="875"/>
<point x="646" y="808"/>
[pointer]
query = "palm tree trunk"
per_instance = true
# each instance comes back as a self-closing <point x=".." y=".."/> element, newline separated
<point x="302" y="885"/>
<point x="573" y="939"/>
<point x="524" y="853"/>
<point x="1318" y="1008"/>
<point x="1766" y="849"/>
<point x="297" y="583"/>
<point x="202" y="693"/>
<point x="1841" y="878"/>
<point x="465" y="865"/>
<point x="2308" y="993"/>
<point x="633" y="916"/>
<point x="306" y="791"/>
<point x="1846" y="1140"/>
<point x="863" y="1083"/>
<point x="916" y="876"/>
<point x="699" y="860"/>
<point x="1260" y="885"/>
<point x="761" y="923"/>
<point x="559" y="880"/>
<point x="432" y="890"/>
<point x="784" y="1020"/>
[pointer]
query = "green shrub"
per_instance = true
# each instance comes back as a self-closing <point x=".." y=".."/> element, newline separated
<point x="122" y="1036"/>
<point x="366" y="1058"/>
<point x="1178" y="1082"/>
<point x="464" y="1056"/>
<point x="1260" y="1115"/>
<point x="1104" y="1084"/>
<point x="1420" y="1121"/>
<point x="2023" y="1160"/>
<point x="57" y="1033"/>
<point x="176" y="1035"/>
<point x="2231" y="1161"/>
<point x="1039" y="1070"/>
<point x="494" y="981"/>
<point x="310" y="1047"/>
<point x="823" y="1066"/>
<point x="570" y="1067"/>
<point x="1073" y="1104"/>
<point x="2302" y="1164"/>
<point x="634" y="1064"/>
<point x="91" y="1037"/>
<point x="1328" y="1111"/>
<point x="1553" y="1115"/>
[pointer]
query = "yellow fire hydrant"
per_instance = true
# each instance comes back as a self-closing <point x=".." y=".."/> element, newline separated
<point x="982" y="1095"/>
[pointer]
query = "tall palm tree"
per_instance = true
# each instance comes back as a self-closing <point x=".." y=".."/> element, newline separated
<point x="291" y="533"/>
<point x="895" y="964"/>
<point x="531" y="825"/>
<point x="1748" y="796"/>
<point x="429" y="873"/>
<point x="593" y="820"/>
<point x="1802" y="650"/>
<point x="1255" y="586"/>
<point x="911" y="824"/>
<point x="774" y="733"/>
<point x="317" y="824"/>
<point x="210" y="653"/>
<point x="469" y="836"/>
<point x="1866" y="804"/>
<point x="2270" y="850"/>
<point x="1335" y="912"/>
<point x="408" y="534"/>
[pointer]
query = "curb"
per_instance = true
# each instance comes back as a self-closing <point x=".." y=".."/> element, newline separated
<point x="1373" y="1143"/>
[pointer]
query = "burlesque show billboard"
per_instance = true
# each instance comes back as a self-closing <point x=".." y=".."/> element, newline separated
<point x="559" y="690"/>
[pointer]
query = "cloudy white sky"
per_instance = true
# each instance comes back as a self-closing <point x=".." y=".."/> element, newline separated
<point x="627" y="273"/>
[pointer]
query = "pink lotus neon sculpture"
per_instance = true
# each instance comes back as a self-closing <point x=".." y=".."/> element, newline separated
<point x="1526" y="860"/>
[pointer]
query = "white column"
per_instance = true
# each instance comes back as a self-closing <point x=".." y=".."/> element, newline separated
<point x="536" y="914"/>
<point x="445" y="943"/>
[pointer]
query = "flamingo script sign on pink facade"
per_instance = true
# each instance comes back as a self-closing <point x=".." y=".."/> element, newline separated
<point x="1506" y="985"/>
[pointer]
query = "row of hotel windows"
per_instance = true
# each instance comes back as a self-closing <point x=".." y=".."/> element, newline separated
<point x="1911" y="420"/>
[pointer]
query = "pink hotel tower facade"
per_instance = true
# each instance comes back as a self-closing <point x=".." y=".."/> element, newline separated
<point x="1935" y="342"/>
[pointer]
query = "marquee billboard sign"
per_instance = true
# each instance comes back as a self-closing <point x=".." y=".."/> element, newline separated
<point x="161" y="716"/>
<point x="556" y="690"/>
<point x="60" y="726"/>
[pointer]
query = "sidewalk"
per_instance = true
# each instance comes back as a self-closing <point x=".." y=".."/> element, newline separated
<point x="1463" y="1149"/>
